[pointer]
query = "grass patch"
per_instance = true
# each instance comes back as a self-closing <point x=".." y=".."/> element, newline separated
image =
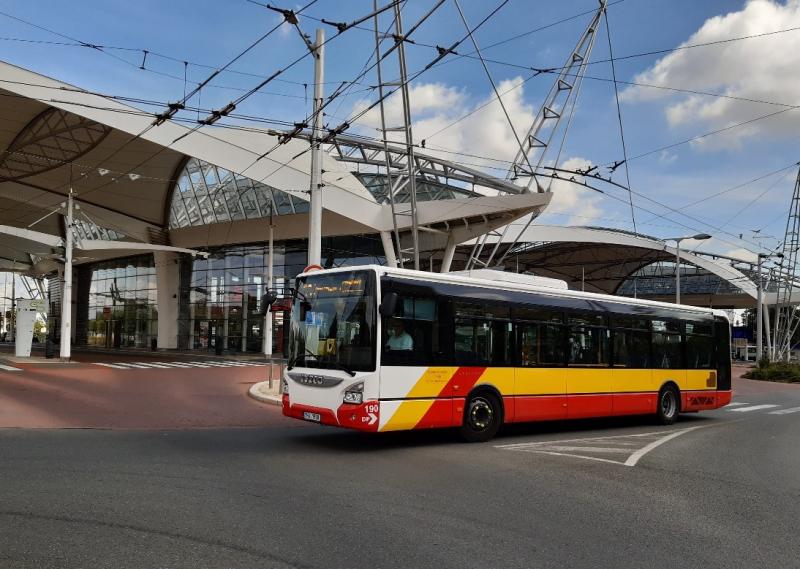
<point x="775" y="371"/>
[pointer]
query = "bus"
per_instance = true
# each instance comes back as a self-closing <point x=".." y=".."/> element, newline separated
<point x="375" y="348"/>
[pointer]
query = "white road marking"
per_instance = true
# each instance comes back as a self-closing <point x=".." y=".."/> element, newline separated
<point x="9" y="368"/>
<point x="634" y="458"/>
<point x="153" y="364"/>
<point x="736" y="404"/>
<point x="206" y="364"/>
<point x="753" y="408"/>
<point x="785" y="411"/>
<point x="615" y="444"/>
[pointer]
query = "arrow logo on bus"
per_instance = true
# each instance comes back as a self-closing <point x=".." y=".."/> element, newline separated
<point x="372" y="418"/>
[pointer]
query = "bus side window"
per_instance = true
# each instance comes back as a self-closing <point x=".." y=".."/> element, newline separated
<point x="699" y="345"/>
<point x="541" y="344"/>
<point x="588" y="345"/>
<point x="411" y="334"/>
<point x="667" y="345"/>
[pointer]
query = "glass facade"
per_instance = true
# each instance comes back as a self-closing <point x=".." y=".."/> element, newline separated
<point x="206" y="194"/>
<point x="219" y="298"/>
<point x="121" y="309"/>
<point x="225" y="290"/>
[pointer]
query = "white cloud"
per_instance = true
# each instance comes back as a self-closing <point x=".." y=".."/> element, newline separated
<point x="482" y="136"/>
<point x="761" y="68"/>
<point x="666" y="157"/>
<point x="743" y="254"/>
<point x="582" y="204"/>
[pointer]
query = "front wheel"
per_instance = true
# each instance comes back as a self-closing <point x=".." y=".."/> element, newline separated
<point x="668" y="405"/>
<point x="482" y="417"/>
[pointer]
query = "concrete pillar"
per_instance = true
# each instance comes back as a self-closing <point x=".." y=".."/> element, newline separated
<point x="167" y="296"/>
<point x="388" y="249"/>
<point x="66" y="291"/>
<point x="449" y="252"/>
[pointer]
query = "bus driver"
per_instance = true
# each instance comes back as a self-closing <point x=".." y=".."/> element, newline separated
<point x="399" y="339"/>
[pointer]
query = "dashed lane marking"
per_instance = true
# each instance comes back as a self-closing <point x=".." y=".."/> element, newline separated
<point x="752" y="408"/>
<point x="736" y="404"/>
<point x="9" y="368"/>
<point x="785" y="411"/>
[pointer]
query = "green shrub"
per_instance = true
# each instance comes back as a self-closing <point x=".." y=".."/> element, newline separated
<point x="778" y="371"/>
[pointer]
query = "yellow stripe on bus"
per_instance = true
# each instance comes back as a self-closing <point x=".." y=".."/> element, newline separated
<point x="430" y="384"/>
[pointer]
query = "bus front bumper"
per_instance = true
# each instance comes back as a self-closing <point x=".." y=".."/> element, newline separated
<point x="363" y="417"/>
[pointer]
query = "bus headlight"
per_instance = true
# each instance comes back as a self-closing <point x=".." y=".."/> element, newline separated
<point x="354" y="394"/>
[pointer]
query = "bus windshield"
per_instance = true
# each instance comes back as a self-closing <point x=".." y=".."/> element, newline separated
<point x="333" y="321"/>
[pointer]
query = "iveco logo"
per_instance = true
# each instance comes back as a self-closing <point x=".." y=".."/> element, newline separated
<point x="315" y="380"/>
<point x="312" y="379"/>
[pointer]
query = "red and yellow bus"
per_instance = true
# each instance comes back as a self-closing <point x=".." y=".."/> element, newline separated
<point x="384" y="349"/>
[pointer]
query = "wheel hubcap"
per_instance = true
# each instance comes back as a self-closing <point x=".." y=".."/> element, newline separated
<point x="480" y="414"/>
<point x="668" y="404"/>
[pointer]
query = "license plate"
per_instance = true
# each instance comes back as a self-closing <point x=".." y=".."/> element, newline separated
<point x="312" y="416"/>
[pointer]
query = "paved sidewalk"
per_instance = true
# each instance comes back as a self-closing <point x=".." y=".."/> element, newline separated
<point x="263" y="392"/>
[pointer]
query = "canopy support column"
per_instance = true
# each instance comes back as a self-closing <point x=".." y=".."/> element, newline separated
<point x="66" y="296"/>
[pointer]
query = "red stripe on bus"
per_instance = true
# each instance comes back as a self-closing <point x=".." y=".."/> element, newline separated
<point x="462" y="381"/>
<point x="439" y="414"/>
<point x="539" y="407"/>
<point x="634" y="403"/>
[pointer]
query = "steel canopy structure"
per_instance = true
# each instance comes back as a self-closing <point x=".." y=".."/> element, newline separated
<point x="603" y="260"/>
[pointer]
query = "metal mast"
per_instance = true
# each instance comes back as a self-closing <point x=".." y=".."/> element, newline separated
<point x="409" y="179"/>
<point x="315" y="207"/>
<point x="786" y="315"/>
<point x="545" y="125"/>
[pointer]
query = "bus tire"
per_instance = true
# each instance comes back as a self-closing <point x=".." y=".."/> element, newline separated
<point x="483" y="415"/>
<point x="668" y="405"/>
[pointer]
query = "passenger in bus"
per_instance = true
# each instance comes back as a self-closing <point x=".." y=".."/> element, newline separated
<point x="399" y="339"/>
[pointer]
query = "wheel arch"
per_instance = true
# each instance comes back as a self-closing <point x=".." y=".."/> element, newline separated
<point x="674" y="385"/>
<point x="488" y="388"/>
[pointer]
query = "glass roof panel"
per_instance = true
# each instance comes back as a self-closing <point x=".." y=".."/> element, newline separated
<point x="209" y="194"/>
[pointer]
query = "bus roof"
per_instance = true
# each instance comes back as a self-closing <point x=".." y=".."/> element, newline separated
<point x="457" y="279"/>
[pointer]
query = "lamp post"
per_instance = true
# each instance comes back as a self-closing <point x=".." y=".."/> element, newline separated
<point x="698" y="237"/>
<point x="760" y="304"/>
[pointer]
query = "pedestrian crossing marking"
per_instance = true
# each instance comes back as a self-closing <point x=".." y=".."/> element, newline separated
<point x="9" y="368"/>
<point x="169" y="365"/>
<point x="752" y="408"/>
<point x="785" y="411"/>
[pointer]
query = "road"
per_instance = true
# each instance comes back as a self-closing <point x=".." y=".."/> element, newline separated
<point x="722" y="491"/>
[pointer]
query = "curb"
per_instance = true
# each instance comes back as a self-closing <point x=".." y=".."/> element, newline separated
<point x="261" y="392"/>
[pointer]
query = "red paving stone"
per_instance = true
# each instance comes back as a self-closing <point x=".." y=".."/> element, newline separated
<point x="87" y="396"/>
<point x="743" y="387"/>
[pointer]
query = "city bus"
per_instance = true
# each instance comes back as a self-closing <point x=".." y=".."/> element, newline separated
<point x="377" y="349"/>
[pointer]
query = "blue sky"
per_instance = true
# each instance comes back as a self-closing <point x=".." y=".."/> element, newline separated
<point x="211" y="32"/>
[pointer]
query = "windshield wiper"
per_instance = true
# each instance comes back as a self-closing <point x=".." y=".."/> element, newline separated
<point x="293" y="361"/>
<point x="340" y="365"/>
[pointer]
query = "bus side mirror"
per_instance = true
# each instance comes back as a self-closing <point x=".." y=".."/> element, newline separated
<point x="305" y="306"/>
<point x="388" y="304"/>
<point x="267" y="300"/>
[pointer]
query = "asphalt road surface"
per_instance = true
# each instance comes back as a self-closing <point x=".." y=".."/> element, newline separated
<point x="718" y="489"/>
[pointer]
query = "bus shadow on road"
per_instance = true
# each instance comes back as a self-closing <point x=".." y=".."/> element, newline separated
<point x="352" y="441"/>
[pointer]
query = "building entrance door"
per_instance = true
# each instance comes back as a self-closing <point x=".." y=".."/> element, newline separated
<point x="113" y="333"/>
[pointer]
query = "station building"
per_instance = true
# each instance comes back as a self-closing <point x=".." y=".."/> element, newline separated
<point x="171" y="223"/>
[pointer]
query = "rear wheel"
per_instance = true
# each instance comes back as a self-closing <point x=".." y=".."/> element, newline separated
<point x="668" y="405"/>
<point x="483" y="415"/>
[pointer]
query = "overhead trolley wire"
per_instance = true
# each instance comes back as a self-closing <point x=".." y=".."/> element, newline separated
<point x="619" y="120"/>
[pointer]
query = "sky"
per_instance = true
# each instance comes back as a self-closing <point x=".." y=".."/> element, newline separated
<point x="709" y="131"/>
